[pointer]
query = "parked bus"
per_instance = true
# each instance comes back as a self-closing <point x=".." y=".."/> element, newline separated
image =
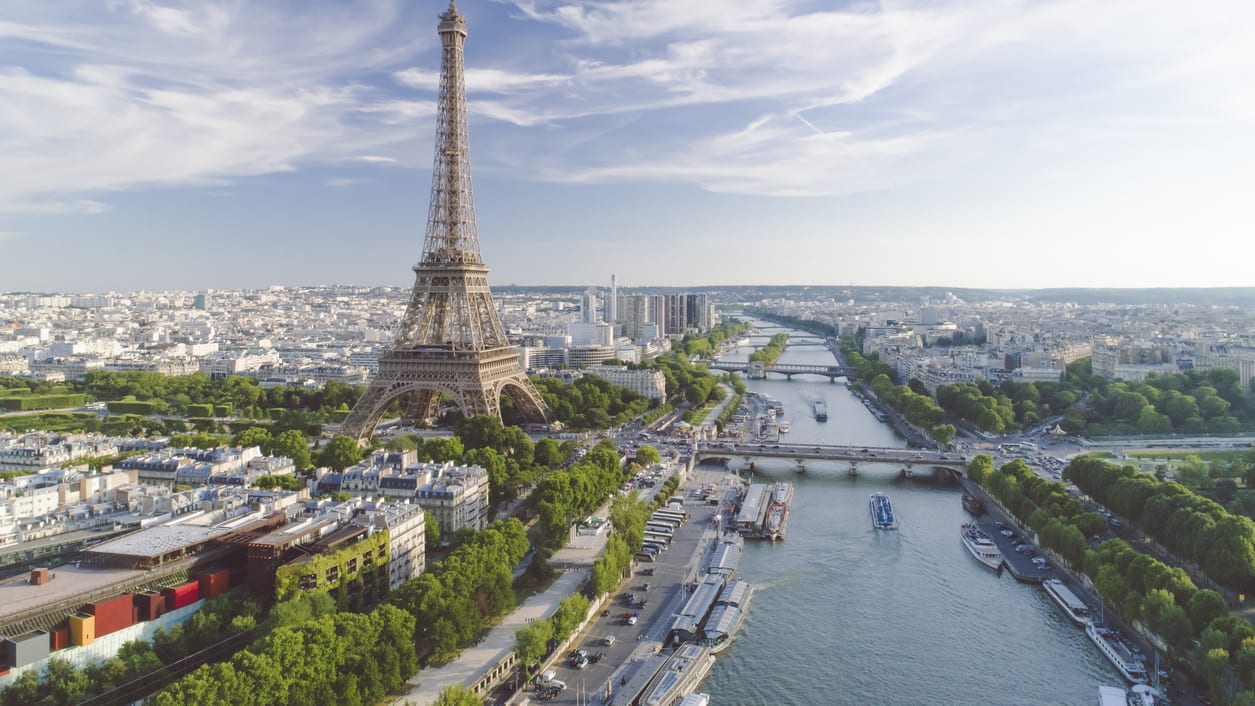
<point x="669" y="516"/>
<point x="655" y="537"/>
<point x="654" y="545"/>
<point x="673" y="510"/>
<point x="660" y="528"/>
<point x="669" y="521"/>
<point x="644" y="556"/>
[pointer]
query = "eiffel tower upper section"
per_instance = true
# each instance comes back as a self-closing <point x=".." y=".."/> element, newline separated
<point x="452" y="305"/>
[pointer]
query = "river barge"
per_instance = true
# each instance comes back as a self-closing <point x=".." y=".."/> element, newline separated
<point x="882" y="512"/>
<point x="973" y="504"/>
<point x="1118" y="651"/>
<point x="679" y="676"/>
<point x="728" y="615"/>
<point x="1074" y="608"/>
<point x="821" y="411"/>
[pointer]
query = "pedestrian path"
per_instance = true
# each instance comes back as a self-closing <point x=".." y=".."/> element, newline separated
<point x="475" y="661"/>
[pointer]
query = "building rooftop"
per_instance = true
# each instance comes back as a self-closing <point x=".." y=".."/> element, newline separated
<point x="18" y="594"/>
<point x="158" y="541"/>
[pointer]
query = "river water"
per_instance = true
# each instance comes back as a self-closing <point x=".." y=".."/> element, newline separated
<point x="845" y="614"/>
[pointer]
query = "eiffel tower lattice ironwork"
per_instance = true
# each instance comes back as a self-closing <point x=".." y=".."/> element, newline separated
<point x="450" y="340"/>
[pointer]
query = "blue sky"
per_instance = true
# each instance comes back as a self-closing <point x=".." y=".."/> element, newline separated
<point x="152" y="144"/>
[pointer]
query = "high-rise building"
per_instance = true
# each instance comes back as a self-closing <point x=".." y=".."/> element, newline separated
<point x="588" y="306"/>
<point x="612" y="305"/>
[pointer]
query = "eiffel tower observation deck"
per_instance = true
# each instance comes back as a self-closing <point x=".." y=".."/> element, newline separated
<point x="450" y="342"/>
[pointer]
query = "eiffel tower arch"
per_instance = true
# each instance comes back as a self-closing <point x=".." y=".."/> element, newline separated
<point x="450" y="341"/>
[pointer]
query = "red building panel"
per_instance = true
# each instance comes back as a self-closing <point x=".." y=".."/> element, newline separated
<point x="181" y="596"/>
<point x="214" y="584"/>
<point x="150" y="605"/>
<point x="112" y="615"/>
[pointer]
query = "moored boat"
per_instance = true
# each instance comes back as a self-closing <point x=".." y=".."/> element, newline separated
<point x="821" y="411"/>
<point x="973" y="504"/>
<point x="777" y="520"/>
<point x="679" y="675"/>
<point x="783" y="427"/>
<point x="980" y="545"/>
<point x="1137" y="695"/>
<point x="728" y="615"/>
<point x="1146" y="695"/>
<point x="882" y="512"/>
<point x="1073" y="607"/>
<point x="1118" y="651"/>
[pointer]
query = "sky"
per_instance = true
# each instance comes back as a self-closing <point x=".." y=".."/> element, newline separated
<point x="158" y="144"/>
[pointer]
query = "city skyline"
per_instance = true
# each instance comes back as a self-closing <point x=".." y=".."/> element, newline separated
<point x="674" y="144"/>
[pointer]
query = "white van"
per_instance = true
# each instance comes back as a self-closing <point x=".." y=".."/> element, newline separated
<point x="608" y="640"/>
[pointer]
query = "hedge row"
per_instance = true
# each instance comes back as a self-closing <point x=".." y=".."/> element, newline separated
<point x="30" y="402"/>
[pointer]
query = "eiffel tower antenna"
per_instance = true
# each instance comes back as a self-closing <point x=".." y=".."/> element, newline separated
<point x="450" y="341"/>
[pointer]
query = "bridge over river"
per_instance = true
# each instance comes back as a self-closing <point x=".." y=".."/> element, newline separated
<point x="832" y="372"/>
<point x="854" y="455"/>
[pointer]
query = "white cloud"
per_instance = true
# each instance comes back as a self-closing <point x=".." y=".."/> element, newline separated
<point x="873" y="95"/>
<point x="83" y="207"/>
<point x="118" y="95"/>
<point x="340" y="182"/>
<point x="786" y="97"/>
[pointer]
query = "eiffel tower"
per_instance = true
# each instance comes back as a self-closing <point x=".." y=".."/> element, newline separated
<point x="450" y="341"/>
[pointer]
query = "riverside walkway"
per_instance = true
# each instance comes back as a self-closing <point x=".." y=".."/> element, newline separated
<point x="496" y="649"/>
<point x="489" y="662"/>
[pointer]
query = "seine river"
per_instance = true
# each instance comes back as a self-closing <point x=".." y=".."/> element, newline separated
<point x="844" y="614"/>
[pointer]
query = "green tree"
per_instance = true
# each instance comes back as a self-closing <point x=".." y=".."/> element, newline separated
<point x="1204" y="607"/>
<point x="1192" y="472"/>
<point x="340" y="453"/>
<point x="532" y="641"/>
<point x="548" y="453"/>
<point x="444" y="448"/>
<point x="980" y="468"/>
<point x="293" y="444"/>
<point x="458" y="695"/>
<point x="254" y="436"/>
<point x="432" y="532"/>
<point x="1215" y="666"/>
<point x="647" y="456"/>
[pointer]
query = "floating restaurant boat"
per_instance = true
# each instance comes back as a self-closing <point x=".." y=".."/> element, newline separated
<point x="679" y="676"/>
<point x="1073" y="607"/>
<point x="980" y="545"/>
<point x="1116" y="649"/>
<point x="728" y="615"/>
<point x="777" y="521"/>
<point x="882" y="512"/>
